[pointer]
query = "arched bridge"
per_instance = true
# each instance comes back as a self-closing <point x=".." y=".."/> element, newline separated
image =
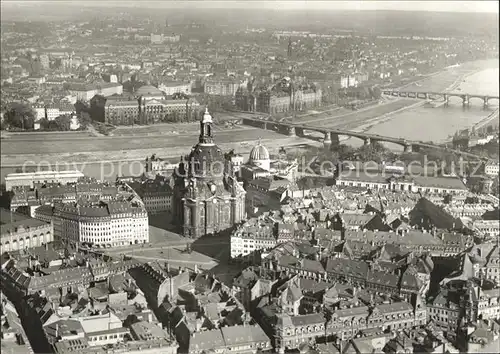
<point x="331" y="135"/>
<point x="445" y="96"/>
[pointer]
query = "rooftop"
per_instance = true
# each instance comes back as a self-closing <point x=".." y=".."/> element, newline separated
<point x="21" y="226"/>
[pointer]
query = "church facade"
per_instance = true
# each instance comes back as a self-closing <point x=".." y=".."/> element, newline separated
<point x="207" y="200"/>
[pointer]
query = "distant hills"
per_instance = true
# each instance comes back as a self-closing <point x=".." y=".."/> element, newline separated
<point x="375" y="22"/>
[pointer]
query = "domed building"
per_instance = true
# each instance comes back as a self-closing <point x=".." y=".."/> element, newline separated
<point x="260" y="165"/>
<point x="206" y="199"/>
<point x="259" y="157"/>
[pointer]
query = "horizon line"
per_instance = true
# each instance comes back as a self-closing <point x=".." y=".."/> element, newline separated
<point x="483" y="7"/>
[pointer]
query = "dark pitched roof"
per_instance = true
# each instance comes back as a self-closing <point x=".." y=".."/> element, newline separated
<point x="241" y="335"/>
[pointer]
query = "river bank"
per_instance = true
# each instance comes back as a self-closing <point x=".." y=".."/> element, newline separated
<point x="126" y="147"/>
<point x="486" y="121"/>
<point x="439" y="122"/>
<point x="389" y="116"/>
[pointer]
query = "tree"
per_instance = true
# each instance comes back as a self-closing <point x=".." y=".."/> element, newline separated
<point x="96" y="110"/>
<point x="345" y="152"/>
<point x="84" y="119"/>
<point x="20" y="115"/>
<point x="376" y="92"/>
<point x="63" y="122"/>
<point x="305" y="183"/>
<point x="373" y="152"/>
<point x="81" y="107"/>
<point x="44" y="124"/>
<point x="176" y="117"/>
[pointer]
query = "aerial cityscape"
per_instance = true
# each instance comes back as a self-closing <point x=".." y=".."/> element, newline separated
<point x="201" y="177"/>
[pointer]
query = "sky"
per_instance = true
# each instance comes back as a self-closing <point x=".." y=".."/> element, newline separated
<point x="447" y="6"/>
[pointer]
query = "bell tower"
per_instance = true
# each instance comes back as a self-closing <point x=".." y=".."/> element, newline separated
<point x="206" y="137"/>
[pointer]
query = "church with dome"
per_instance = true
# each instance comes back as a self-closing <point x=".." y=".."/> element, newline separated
<point x="207" y="200"/>
<point x="261" y="165"/>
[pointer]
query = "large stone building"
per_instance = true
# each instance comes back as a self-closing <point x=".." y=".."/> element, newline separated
<point x="19" y="232"/>
<point x="158" y="166"/>
<point x="415" y="184"/>
<point x="222" y="86"/>
<point x="261" y="165"/>
<point x="100" y="223"/>
<point x="31" y="178"/>
<point x="156" y="194"/>
<point x="170" y="88"/>
<point x="26" y="199"/>
<point x="121" y="112"/>
<point x="206" y="199"/>
<point x="283" y="97"/>
<point x="155" y="111"/>
<point x="87" y="92"/>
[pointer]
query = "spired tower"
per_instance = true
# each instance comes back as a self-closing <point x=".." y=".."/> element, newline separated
<point x="207" y="200"/>
<point x="289" y="51"/>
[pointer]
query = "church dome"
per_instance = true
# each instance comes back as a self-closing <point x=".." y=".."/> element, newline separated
<point x="206" y="158"/>
<point x="259" y="153"/>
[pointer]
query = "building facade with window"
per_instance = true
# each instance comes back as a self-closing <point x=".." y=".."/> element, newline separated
<point x="171" y="87"/>
<point x="104" y="223"/>
<point x="121" y="112"/>
<point x="25" y="233"/>
<point x="492" y="169"/>
<point x="32" y="178"/>
<point x="416" y="184"/>
<point x="181" y="110"/>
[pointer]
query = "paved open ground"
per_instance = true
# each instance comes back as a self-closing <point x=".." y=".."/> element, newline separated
<point x="166" y="246"/>
<point x="161" y="238"/>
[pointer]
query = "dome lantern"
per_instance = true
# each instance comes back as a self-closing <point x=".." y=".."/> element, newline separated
<point x="206" y="136"/>
<point x="207" y="118"/>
